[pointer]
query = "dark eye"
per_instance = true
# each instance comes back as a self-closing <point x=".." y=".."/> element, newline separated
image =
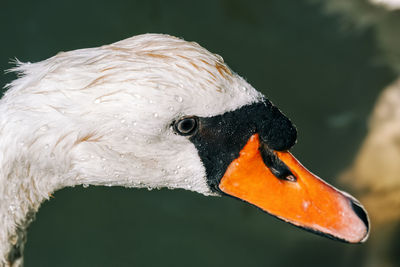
<point x="186" y="126"/>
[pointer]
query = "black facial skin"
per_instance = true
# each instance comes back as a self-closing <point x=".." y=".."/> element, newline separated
<point x="219" y="139"/>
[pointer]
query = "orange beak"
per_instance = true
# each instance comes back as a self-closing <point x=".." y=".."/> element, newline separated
<point x="303" y="200"/>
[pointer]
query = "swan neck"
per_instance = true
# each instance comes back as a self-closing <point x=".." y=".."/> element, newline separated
<point x="20" y="198"/>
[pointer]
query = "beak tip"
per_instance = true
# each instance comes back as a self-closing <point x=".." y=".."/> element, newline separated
<point x="362" y="215"/>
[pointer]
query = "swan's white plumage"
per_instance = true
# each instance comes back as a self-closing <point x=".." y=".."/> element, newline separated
<point x="102" y="116"/>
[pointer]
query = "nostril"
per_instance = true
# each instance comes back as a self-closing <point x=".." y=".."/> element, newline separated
<point x="277" y="167"/>
<point x="360" y="211"/>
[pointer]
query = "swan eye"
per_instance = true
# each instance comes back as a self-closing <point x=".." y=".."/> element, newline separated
<point x="186" y="126"/>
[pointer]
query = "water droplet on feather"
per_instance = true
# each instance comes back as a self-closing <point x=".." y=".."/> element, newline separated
<point x="44" y="128"/>
<point x="178" y="98"/>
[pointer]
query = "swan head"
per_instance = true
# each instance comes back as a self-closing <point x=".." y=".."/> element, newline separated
<point x="157" y="111"/>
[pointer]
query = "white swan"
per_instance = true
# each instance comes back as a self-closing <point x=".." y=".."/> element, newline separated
<point x="153" y="111"/>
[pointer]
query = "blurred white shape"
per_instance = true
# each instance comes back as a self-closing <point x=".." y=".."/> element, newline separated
<point x="389" y="4"/>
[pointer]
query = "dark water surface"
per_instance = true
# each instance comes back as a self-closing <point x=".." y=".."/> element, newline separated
<point x="326" y="80"/>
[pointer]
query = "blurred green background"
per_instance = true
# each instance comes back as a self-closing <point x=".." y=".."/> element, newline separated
<point x="323" y="71"/>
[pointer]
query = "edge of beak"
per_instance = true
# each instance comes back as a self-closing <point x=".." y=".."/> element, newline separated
<point x="284" y="188"/>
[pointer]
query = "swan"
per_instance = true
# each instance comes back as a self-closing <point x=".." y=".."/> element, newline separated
<point x="154" y="111"/>
<point x="379" y="156"/>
